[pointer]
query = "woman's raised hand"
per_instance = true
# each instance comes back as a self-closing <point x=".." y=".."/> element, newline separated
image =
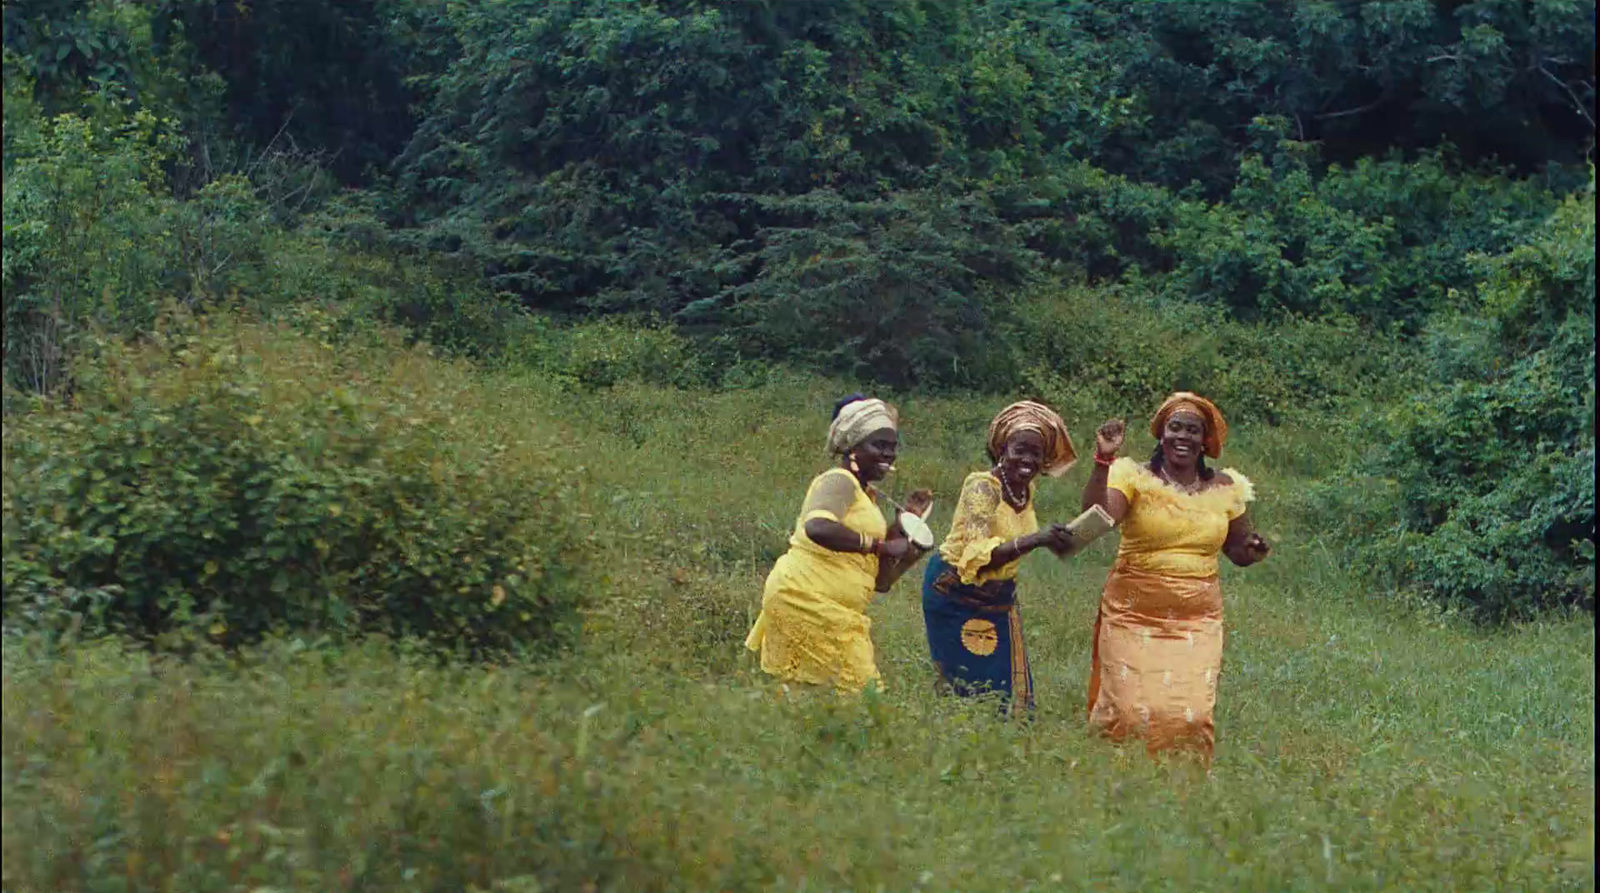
<point x="1108" y="439"/>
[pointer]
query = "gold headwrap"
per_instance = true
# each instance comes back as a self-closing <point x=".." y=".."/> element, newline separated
<point x="1216" y="427"/>
<point x="1026" y="415"/>
<point x="856" y="420"/>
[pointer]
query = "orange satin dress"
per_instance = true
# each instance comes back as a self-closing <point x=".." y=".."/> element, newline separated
<point x="1157" y="656"/>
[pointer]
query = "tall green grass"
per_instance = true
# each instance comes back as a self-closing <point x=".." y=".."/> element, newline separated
<point x="1362" y="745"/>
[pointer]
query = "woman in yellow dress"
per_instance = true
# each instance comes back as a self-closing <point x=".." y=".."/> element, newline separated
<point x="813" y="627"/>
<point x="1157" y="654"/>
<point x="969" y="602"/>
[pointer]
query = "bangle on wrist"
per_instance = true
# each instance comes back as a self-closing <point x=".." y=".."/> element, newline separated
<point x="1104" y="460"/>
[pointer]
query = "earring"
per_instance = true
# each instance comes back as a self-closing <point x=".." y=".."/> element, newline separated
<point x="854" y="468"/>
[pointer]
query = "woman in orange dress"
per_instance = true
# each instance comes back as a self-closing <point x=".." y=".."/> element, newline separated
<point x="1158" y="637"/>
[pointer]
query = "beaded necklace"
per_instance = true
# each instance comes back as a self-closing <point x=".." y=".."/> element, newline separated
<point x="1011" y="497"/>
<point x="1190" y="489"/>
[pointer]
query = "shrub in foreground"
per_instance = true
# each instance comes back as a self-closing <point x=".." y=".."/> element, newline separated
<point x="244" y="479"/>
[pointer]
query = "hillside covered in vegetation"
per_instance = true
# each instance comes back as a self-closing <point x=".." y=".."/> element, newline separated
<point x="1284" y="206"/>
<point x="404" y="400"/>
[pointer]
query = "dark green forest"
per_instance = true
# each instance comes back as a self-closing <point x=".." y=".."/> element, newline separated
<point x="1376" y="214"/>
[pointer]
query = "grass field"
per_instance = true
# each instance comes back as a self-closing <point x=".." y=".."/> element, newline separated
<point x="1362" y="744"/>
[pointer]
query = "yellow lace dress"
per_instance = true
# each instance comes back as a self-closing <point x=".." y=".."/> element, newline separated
<point x="813" y="627"/>
<point x="970" y="610"/>
<point x="981" y="523"/>
<point x="1158" y="638"/>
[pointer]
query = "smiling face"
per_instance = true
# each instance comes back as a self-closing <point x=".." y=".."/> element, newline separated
<point x="1183" y="439"/>
<point x="876" y="454"/>
<point x="1023" y="458"/>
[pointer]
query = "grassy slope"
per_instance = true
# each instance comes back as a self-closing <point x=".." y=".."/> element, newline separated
<point x="1361" y="746"/>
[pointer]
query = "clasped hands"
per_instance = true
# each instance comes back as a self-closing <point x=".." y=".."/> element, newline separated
<point x="1057" y="538"/>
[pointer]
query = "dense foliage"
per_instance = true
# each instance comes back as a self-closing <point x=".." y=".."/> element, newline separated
<point x="1495" y="461"/>
<point x="857" y="184"/>
<point x="1291" y="206"/>
<point x="234" y="482"/>
<point x="761" y="167"/>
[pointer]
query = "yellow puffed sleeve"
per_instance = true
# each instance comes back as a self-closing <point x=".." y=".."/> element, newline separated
<point x="1123" y="477"/>
<point x="831" y="496"/>
<point x="1243" y="493"/>
<point x="971" y="541"/>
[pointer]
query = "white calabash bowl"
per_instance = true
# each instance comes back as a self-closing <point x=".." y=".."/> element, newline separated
<point x="916" y="530"/>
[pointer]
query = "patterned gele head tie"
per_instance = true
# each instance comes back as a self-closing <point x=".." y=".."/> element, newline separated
<point x="858" y="418"/>
<point x="1184" y="401"/>
<point x="1026" y="415"/>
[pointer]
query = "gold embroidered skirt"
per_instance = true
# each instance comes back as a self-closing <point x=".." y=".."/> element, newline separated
<point x="1157" y="660"/>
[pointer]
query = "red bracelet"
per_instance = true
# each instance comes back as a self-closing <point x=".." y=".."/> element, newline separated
<point x="1104" y="460"/>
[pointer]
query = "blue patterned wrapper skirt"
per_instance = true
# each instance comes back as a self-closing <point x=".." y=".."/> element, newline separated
<point x="975" y="636"/>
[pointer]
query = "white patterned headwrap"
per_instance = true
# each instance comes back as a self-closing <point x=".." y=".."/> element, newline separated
<point x="856" y="420"/>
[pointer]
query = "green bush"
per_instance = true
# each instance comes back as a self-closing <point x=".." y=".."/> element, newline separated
<point x="244" y="479"/>
<point x="1498" y="494"/>
<point x="1099" y="223"/>
<point x="85" y="238"/>
<point x="1107" y="346"/>
<point x="431" y="299"/>
<point x="1385" y="242"/>
<point x="1493" y="464"/>
<point x="605" y="352"/>
<point x="901" y="291"/>
<point x="95" y="239"/>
